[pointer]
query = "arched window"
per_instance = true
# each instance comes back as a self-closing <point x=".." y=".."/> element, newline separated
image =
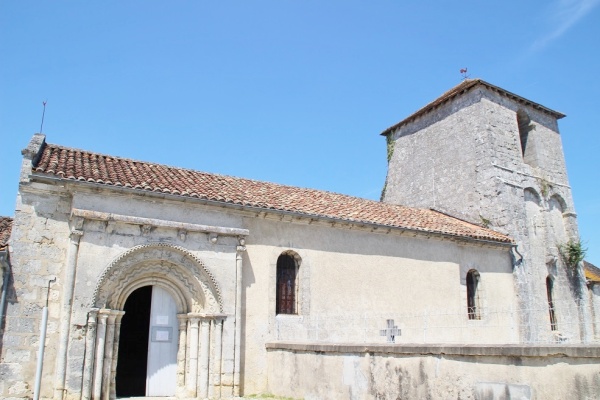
<point x="473" y="306"/>
<point x="549" y="292"/>
<point x="556" y="209"/>
<point x="287" y="287"/>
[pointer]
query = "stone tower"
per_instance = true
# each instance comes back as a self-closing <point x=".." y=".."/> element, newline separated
<point x="491" y="157"/>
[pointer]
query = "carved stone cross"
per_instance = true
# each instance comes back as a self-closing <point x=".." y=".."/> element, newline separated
<point x="390" y="332"/>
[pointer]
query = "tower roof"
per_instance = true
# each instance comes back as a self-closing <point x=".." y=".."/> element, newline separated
<point x="464" y="87"/>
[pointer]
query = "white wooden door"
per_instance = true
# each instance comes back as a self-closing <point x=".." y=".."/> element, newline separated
<point x="162" y="345"/>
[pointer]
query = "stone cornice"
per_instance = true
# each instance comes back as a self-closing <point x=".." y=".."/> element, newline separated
<point x="495" y="350"/>
<point x="271" y="214"/>
<point x="182" y="226"/>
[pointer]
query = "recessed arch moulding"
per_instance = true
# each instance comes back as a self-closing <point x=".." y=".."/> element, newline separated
<point x="178" y="271"/>
<point x="205" y="338"/>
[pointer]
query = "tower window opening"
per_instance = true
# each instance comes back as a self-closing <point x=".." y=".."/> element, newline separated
<point x="525" y="126"/>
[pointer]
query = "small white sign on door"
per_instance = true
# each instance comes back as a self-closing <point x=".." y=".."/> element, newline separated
<point x="162" y="320"/>
<point x="160" y="334"/>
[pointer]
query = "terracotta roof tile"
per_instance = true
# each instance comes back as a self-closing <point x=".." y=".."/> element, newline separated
<point x="5" y="229"/>
<point x="72" y="164"/>
<point x="592" y="273"/>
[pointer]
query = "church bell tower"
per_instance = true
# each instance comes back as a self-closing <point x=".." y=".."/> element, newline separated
<point x="491" y="157"/>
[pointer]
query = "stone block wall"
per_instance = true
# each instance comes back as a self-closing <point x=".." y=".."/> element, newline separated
<point x="38" y="247"/>
<point x="465" y="158"/>
<point x="321" y="371"/>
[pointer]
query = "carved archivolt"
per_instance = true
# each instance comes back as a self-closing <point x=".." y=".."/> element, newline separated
<point x="174" y="268"/>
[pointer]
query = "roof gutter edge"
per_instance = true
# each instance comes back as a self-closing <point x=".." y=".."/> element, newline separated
<point x="54" y="180"/>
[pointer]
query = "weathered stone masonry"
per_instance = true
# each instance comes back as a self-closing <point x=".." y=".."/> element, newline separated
<point x="91" y="231"/>
<point x="463" y="155"/>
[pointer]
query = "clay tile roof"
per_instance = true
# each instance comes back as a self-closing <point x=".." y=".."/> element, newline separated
<point x="592" y="273"/>
<point x="5" y="228"/>
<point x="463" y="87"/>
<point x="77" y="165"/>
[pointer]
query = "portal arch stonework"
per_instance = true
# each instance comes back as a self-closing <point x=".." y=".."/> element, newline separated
<point x="199" y="311"/>
<point x="169" y="266"/>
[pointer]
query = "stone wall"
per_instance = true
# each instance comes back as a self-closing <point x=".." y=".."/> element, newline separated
<point x="346" y="269"/>
<point x="465" y="158"/>
<point x="320" y="371"/>
<point x="45" y="241"/>
<point x="347" y="272"/>
<point x="38" y="248"/>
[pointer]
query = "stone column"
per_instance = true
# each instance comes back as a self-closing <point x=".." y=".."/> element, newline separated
<point x="216" y="361"/>
<point x="66" y="307"/>
<point x="115" y="354"/>
<point x="108" y="355"/>
<point x="595" y="302"/>
<point x="238" y="316"/>
<point x="586" y="319"/>
<point x="204" y="355"/>
<point x="181" y="353"/>
<point x="193" y="358"/>
<point x="100" y="344"/>
<point x="88" y="362"/>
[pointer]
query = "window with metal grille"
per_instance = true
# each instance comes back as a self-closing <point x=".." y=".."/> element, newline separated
<point x="287" y="272"/>
<point x="473" y="308"/>
<point x="549" y="290"/>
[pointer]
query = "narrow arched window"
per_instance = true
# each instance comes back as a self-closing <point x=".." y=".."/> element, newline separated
<point x="527" y="138"/>
<point x="287" y="274"/>
<point x="473" y="307"/>
<point x="549" y="293"/>
<point x="523" y="122"/>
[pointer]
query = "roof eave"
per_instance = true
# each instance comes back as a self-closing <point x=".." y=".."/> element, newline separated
<point x="41" y="177"/>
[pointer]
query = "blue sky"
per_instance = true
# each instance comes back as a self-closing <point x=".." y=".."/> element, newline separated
<point x="293" y="92"/>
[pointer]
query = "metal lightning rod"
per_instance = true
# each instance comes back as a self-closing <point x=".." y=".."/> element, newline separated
<point x="43" y="113"/>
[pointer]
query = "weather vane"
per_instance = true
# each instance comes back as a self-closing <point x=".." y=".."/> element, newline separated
<point x="43" y="113"/>
<point x="463" y="72"/>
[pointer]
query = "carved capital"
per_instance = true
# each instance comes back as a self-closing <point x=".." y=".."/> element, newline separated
<point x="103" y="316"/>
<point x="76" y="226"/>
<point x="92" y="319"/>
<point x="118" y="315"/>
<point x="183" y="319"/>
<point x="76" y="223"/>
<point x="75" y="235"/>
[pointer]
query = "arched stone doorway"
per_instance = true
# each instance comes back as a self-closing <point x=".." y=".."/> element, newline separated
<point x="189" y="320"/>
<point x="147" y="358"/>
<point x="132" y="360"/>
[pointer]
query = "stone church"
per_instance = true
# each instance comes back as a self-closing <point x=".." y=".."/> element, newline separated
<point x="125" y="278"/>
